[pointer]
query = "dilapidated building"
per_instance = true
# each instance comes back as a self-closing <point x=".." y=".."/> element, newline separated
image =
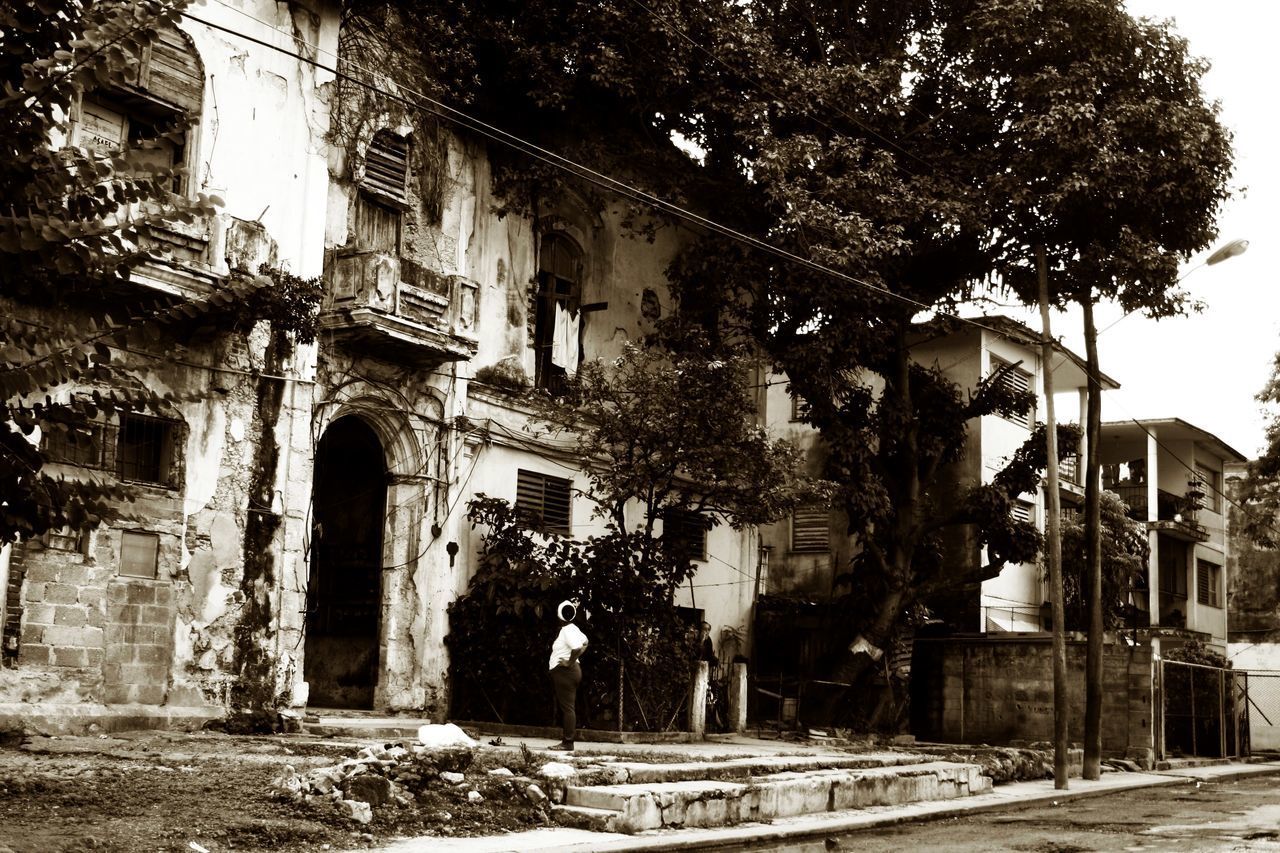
<point x="300" y="528"/>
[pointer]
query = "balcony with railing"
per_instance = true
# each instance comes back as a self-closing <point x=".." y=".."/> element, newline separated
<point x="392" y="306"/>
<point x="1176" y="515"/>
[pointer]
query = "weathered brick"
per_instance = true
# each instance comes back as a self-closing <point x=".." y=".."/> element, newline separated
<point x="92" y="596"/>
<point x="150" y="654"/>
<point x="39" y="614"/>
<point x="155" y="615"/>
<point x="116" y="693"/>
<point x="164" y="594"/>
<point x="32" y="634"/>
<point x="34" y="653"/>
<point x="76" y="574"/>
<point x="148" y="694"/>
<point x="41" y="572"/>
<point x="70" y="615"/>
<point x="63" y="635"/>
<point x="123" y="614"/>
<point x="141" y="594"/>
<point x="70" y="656"/>
<point x="118" y="593"/>
<point x="119" y="653"/>
<point x="93" y="657"/>
<point x="60" y="593"/>
<point x="34" y="593"/>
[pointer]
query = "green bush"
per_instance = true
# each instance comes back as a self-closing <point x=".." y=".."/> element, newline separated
<point x="502" y="628"/>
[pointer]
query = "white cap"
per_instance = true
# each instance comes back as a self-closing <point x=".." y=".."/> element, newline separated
<point x="567" y="610"/>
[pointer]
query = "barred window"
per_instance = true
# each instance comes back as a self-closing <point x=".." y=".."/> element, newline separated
<point x="544" y="501"/>
<point x="84" y="447"/>
<point x="799" y="408"/>
<point x="1016" y="379"/>
<point x="811" y="529"/>
<point x="686" y="533"/>
<point x="144" y="449"/>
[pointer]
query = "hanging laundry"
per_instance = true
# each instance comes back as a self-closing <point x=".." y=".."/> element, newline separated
<point x="564" y="339"/>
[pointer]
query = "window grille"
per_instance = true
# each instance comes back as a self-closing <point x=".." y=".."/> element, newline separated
<point x="544" y="501"/>
<point x="144" y="449"/>
<point x="1016" y="379"/>
<point x="139" y="554"/>
<point x="811" y="529"/>
<point x="1208" y="583"/>
<point x="83" y="448"/>
<point x="686" y="532"/>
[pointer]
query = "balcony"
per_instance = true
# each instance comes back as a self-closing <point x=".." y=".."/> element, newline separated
<point x="397" y="309"/>
<point x="185" y="259"/>
<point x="1175" y="514"/>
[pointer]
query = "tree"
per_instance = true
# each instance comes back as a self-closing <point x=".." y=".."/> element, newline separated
<point x="1125" y="550"/>
<point x="72" y="223"/>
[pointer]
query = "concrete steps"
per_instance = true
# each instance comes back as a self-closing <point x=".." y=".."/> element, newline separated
<point x="650" y="801"/>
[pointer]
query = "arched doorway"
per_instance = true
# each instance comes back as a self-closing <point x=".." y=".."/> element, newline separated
<point x="344" y="591"/>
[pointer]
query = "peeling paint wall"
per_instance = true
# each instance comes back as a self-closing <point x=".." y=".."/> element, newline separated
<point x="88" y="634"/>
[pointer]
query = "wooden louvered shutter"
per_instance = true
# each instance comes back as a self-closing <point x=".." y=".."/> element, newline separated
<point x="386" y="167"/>
<point x="1016" y="379"/>
<point x="544" y="501"/>
<point x="810" y="529"/>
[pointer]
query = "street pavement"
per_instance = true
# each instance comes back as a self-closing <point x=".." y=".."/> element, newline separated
<point x="830" y="830"/>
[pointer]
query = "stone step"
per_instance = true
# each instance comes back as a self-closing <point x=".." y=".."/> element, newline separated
<point x="636" y="807"/>
<point x="621" y="772"/>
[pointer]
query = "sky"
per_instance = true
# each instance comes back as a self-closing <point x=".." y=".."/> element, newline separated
<point x="1207" y="368"/>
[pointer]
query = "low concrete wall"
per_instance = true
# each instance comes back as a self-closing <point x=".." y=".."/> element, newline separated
<point x="999" y="690"/>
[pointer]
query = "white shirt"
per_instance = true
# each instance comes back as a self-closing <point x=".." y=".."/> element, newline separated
<point x="569" y="640"/>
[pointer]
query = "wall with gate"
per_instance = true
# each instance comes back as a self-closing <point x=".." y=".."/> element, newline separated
<point x="999" y="690"/>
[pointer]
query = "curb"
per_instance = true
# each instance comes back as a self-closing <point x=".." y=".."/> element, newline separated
<point x="1005" y="798"/>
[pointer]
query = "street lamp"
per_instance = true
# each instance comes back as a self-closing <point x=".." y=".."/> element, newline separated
<point x="1231" y="250"/>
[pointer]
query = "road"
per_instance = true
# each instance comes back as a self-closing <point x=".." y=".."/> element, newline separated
<point x="1211" y="816"/>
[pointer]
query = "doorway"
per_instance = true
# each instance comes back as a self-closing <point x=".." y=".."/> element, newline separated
<point x="344" y="590"/>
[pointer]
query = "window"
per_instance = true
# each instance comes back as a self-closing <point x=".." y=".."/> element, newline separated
<point x="799" y="408"/>
<point x="167" y="88"/>
<point x="544" y="501"/>
<point x="810" y="529"/>
<point x="1210" y="481"/>
<point x="555" y="312"/>
<point x="1016" y="379"/>
<point x="685" y="532"/>
<point x="1024" y="511"/>
<point x="383" y="195"/>
<point x="84" y="448"/>
<point x="139" y="554"/>
<point x="144" y="449"/>
<point x="1208" y="583"/>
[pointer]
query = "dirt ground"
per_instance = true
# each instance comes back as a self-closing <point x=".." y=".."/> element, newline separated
<point x="161" y="791"/>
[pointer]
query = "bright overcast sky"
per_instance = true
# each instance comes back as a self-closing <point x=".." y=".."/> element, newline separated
<point x="1207" y="368"/>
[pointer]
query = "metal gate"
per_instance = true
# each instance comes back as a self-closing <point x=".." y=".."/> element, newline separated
<point x="1205" y="711"/>
<point x="1264" y="710"/>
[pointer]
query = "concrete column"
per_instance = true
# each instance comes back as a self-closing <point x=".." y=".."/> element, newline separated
<point x="1153" y="513"/>
<point x="738" y="697"/>
<point x="698" y="700"/>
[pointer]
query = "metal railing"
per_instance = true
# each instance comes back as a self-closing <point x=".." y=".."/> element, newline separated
<point x="1011" y="618"/>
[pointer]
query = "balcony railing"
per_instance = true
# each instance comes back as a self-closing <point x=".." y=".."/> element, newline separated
<point x="389" y="304"/>
<point x="1175" y="514"/>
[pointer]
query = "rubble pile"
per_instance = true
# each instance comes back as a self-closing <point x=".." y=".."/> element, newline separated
<point x="395" y="774"/>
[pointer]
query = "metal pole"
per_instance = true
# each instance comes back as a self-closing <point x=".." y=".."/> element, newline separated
<point x="1195" y="720"/>
<point x="1053" y="544"/>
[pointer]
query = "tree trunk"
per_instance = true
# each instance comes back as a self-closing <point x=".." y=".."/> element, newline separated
<point x="1093" y="555"/>
<point x="1053" y="545"/>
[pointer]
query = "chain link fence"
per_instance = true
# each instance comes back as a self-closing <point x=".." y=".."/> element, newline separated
<point x="1264" y="709"/>
<point x="1205" y="711"/>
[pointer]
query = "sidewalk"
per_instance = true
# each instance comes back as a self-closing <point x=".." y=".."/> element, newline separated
<point x="1004" y="796"/>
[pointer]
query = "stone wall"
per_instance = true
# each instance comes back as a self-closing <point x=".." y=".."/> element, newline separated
<point x="999" y="690"/>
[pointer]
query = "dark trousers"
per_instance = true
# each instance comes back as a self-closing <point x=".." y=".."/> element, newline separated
<point x="565" y="679"/>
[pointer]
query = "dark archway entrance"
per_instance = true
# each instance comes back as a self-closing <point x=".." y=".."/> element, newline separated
<point x="344" y="591"/>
